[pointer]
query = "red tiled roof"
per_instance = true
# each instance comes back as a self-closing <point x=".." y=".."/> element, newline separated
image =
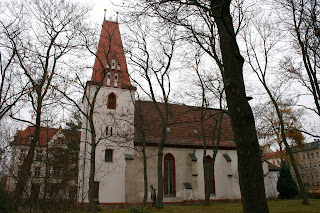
<point x="46" y="135"/>
<point x="110" y="47"/>
<point x="271" y="155"/>
<point x="184" y="124"/>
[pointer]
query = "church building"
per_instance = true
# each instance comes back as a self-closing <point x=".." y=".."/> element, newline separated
<point x="123" y="125"/>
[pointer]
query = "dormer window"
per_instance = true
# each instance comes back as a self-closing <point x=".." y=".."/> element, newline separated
<point x="116" y="80"/>
<point x="113" y="64"/>
<point x="108" y="79"/>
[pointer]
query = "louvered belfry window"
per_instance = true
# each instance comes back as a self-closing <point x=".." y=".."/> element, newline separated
<point x="169" y="175"/>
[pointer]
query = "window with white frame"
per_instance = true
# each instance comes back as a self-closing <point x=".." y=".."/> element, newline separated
<point x="116" y="80"/>
<point x="113" y="64"/>
<point x="108" y="79"/>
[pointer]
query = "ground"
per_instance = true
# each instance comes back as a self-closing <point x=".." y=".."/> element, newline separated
<point x="275" y="206"/>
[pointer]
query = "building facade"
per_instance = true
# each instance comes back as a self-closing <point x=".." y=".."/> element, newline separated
<point x="124" y="125"/>
<point x="309" y="163"/>
<point x="54" y="167"/>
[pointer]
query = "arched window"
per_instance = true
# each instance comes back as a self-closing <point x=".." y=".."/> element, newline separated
<point x="210" y="173"/>
<point x="108" y="79"/>
<point x="169" y="175"/>
<point x="113" y="64"/>
<point x="116" y="80"/>
<point x="112" y="101"/>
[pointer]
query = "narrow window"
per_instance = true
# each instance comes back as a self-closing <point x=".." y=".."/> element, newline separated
<point x="116" y="80"/>
<point x="112" y="101"/>
<point x="108" y="155"/>
<point x="113" y="64"/>
<point x="317" y="154"/>
<point x="30" y="138"/>
<point x="118" y="66"/>
<point x="305" y="166"/>
<point x="211" y="175"/>
<point x="169" y="175"/>
<point x="37" y="171"/>
<point x="315" y="165"/>
<point x="107" y="132"/>
<point x="312" y="155"/>
<point x="111" y="131"/>
<point x="108" y="79"/>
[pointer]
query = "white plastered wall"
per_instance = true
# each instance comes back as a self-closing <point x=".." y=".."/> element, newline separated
<point x="110" y="175"/>
<point x="187" y="171"/>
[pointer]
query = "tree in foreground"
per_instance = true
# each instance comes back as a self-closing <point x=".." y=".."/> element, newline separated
<point x="46" y="37"/>
<point x="152" y="60"/>
<point x="222" y="34"/>
<point x="286" y="185"/>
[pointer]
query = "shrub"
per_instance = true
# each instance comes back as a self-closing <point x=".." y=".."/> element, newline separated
<point x="286" y="186"/>
<point x="137" y="210"/>
<point x="4" y="200"/>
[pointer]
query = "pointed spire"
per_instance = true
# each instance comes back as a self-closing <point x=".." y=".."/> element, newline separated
<point x="110" y="66"/>
<point x="117" y="16"/>
<point x="105" y="11"/>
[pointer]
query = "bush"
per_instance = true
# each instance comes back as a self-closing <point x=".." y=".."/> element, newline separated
<point x="286" y="186"/>
<point x="4" y="200"/>
<point x="137" y="210"/>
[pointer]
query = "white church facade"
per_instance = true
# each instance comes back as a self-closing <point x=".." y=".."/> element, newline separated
<point x="122" y="124"/>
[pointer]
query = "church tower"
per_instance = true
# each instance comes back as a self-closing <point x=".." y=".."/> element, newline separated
<point x="111" y="96"/>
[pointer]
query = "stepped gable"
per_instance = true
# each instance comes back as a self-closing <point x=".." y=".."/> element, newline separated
<point x="184" y="125"/>
<point x="110" y="59"/>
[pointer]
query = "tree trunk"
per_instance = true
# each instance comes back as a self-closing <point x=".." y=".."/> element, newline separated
<point x="288" y="149"/>
<point x="25" y="172"/>
<point x="159" y="201"/>
<point x="145" y="174"/>
<point x="249" y="154"/>
<point x="92" y="189"/>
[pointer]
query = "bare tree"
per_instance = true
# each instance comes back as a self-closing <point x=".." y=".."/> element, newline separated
<point x="211" y="26"/>
<point x="302" y="20"/>
<point x="10" y="92"/>
<point x="211" y="91"/>
<point x="46" y="36"/>
<point x="265" y="40"/>
<point x="153" y="61"/>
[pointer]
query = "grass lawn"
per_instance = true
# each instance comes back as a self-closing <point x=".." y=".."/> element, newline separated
<point x="278" y="206"/>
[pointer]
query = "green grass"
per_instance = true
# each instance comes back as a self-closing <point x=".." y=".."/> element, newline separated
<point x="275" y="206"/>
